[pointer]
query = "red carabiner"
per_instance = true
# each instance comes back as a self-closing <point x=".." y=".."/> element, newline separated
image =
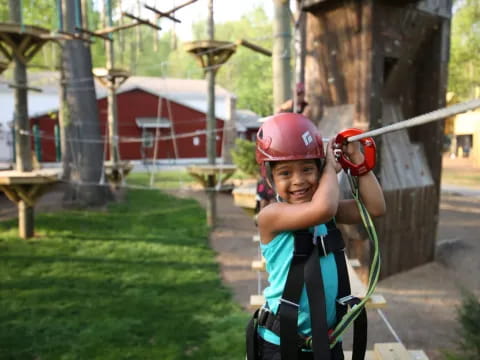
<point x="369" y="152"/>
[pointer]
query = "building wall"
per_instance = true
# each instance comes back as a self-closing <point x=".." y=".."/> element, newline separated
<point x="132" y="105"/>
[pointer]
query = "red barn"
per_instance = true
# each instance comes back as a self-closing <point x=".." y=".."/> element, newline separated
<point x="158" y="118"/>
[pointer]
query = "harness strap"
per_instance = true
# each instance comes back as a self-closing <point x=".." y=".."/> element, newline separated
<point x="251" y="332"/>
<point x="288" y="308"/>
<point x="318" y="309"/>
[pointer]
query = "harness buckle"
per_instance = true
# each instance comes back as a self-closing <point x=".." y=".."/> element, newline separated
<point x="288" y="302"/>
<point x="263" y="316"/>
<point x="322" y="242"/>
<point x="348" y="300"/>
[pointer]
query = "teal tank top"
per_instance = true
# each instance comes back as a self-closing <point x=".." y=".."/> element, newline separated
<point x="278" y="255"/>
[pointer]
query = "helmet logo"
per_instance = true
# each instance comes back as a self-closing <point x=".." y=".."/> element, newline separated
<point x="307" y="138"/>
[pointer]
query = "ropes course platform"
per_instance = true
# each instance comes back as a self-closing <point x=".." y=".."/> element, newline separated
<point x="117" y="172"/>
<point x="211" y="53"/>
<point x="245" y="197"/>
<point x="111" y="77"/>
<point x="28" y="186"/>
<point x="22" y="41"/>
<point x="220" y="173"/>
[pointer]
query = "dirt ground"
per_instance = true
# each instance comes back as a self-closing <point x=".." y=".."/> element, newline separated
<point x="421" y="303"/>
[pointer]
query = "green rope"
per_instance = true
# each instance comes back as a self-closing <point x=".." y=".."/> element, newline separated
<point x="355" y="311"/>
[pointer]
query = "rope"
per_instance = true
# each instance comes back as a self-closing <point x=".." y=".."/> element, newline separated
<point x="420" y="120"/>
<point x="354" y="312"/>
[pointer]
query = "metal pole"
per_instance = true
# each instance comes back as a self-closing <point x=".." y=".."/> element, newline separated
<point x="281" y="53"/>
<point x="211" y="134"/>
<point x="23" y="158"/>
<point x="421" y="119"/>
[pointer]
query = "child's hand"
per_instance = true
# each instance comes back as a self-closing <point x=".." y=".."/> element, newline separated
<point x="331" y="160"/>
<point x="354" y="153"/>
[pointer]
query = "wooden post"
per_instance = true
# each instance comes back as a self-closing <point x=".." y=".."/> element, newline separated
<point x="23" y="157"/>
<point x="281" y="53"/>
<point x="229" y="131"/>
<point x="299" y="41"/>
<point x="211" y="125"/>
<point x="112" y="99"/>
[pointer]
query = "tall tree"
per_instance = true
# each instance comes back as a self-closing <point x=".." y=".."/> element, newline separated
<point x="83" y="157"/>
<point x="464" y="73"/>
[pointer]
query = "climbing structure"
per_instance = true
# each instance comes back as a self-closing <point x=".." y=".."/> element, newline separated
<point x="19" y="43"/>
<point x="372" y="63"/>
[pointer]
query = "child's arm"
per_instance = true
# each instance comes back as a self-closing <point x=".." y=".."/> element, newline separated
<point x="370" y="192"/>
<point x="281" y="216"/>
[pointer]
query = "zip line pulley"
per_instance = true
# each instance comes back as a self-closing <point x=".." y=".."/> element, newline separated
<point x="366" y="138"/>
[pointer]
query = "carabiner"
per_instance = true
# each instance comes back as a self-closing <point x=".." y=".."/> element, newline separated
<point x="369" y="152"/>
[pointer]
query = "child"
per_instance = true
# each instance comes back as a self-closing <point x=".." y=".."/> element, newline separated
<point x="305" y="178"/>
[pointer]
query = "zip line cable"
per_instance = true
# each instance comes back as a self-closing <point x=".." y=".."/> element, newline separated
<point x="420" y="120"/>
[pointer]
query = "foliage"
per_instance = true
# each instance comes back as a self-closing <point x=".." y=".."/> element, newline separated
<point x="247" y="74"/>
<point x="243" y="155"/>
<point x="465" y="49"/>
<point x="138" y="281"/>
<point x="469" y="319"/>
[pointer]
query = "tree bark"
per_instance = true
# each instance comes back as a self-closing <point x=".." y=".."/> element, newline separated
<point x="81" y="127"/>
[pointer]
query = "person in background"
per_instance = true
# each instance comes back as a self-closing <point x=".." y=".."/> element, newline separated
<point x="302" y="104"/>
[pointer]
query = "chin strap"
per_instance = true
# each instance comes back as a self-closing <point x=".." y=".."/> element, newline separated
<point x="356" y="309"/>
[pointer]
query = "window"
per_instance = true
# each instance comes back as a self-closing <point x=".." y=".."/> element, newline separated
<point x="147" y="138"/>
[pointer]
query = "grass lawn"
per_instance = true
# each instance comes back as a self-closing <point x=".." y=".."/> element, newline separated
<point x="138" y="281"/>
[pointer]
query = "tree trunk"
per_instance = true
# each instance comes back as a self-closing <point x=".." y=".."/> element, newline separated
<point x="81" y="127"/>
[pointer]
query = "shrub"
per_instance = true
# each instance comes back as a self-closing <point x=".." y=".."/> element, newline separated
<point x="243" y="155"/>
<point x="469" y="318"/>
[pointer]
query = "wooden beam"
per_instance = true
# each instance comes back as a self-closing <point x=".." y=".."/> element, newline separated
<point x="13" y="86"/>
<point x="5" y="52"/>
<point x="180" y="6"/>
<point x="91" y="33"/>
<point x="162" y="14"/>
<point x="142" y="21"/>
<point x="11" y="195"/>
<point x="112" y="29"/>
<point x="254" y="47"/>
<point x="30" y="53"/>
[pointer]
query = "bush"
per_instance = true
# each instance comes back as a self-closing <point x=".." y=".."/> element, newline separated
<point x="469" y="318"/>
<point x="243" y="155"/>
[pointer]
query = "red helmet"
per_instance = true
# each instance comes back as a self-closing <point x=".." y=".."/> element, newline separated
<point x="288" y="136"/>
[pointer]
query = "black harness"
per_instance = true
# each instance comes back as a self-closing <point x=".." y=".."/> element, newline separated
<point x="305" y="269"/>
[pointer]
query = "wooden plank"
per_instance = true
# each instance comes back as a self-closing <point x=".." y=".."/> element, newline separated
<point x="258" y="265"/>
<point x="370" y="355"/>
<point x="40" y="176"/>
<point x="391" y="351"/>
<point x="256" y="301"/>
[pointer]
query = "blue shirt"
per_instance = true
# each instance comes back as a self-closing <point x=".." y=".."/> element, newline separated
<point x="278" y="254"/>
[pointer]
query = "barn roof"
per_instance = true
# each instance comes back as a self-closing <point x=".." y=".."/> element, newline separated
<point x="188" y="92"/>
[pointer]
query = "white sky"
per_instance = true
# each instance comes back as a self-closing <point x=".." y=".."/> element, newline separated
<point x="224" y="10"/>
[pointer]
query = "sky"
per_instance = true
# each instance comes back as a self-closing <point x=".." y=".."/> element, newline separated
<point x="224" y="10"/>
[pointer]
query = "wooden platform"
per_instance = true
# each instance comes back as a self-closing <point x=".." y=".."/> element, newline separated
<point x="245" y="197"/>
<point x="22" y="41"/>
<point x="210" y="53"/>
<point x="27" y="186"/>
<point x="116" y="173"/>
<point x="109" y="77"/>
<point x="220" y="173"/>
<point x="390" y="351"/>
